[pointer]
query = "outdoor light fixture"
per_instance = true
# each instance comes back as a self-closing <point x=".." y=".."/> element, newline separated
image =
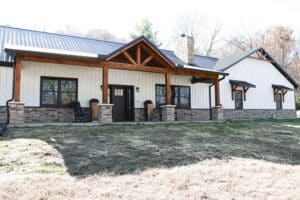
<point x="101" y="87"/>
<point x="137" y="89"/>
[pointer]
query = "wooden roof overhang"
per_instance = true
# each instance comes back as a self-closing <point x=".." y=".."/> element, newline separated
<point x="235" y="84"/>
<point x="280" y="89"/>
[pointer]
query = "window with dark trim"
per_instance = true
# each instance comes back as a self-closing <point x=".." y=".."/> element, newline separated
<point x="58" y="92"/>
<point x="181" y="96"/>
<point x="238" y="99"/>
<point x="278" y="100"/>
<point x="160" y="95"/>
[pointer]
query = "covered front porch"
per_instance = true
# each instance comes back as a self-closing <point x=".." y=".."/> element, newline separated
<point x="129" y="76"/>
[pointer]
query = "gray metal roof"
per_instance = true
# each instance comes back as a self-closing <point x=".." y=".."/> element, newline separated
<point x="23" y="37"/>
<point x="30" y="38"/>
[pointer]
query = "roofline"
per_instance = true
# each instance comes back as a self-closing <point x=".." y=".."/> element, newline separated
<point x="273" y="62"/>
<point x="48" y="51"/>
<point x="189" y="67"/>
<point x="60" y="34"/>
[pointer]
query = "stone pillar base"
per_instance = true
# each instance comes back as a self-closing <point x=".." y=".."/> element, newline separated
<point x="217" y="113"/>
<point x="16" y="112"/>
<point x="105" y="113"/>
<point x="168" y="113"/>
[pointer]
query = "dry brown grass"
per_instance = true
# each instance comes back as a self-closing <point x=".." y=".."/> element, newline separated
<point x="214" y="179"/>
<point x="232" y="160"/>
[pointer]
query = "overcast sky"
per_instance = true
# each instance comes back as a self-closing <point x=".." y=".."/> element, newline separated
<point x="120" y="17"/>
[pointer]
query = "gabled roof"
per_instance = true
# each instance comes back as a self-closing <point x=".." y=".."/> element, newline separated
<point x="227" y="62"/>
<point x="148" y="43"/>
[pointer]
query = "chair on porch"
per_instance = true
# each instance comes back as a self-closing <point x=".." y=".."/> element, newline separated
<point x="80" y="116"/>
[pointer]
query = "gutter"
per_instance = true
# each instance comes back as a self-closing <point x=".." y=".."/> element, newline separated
<point x="4" y="126"/>
<point x="209" y="96"/>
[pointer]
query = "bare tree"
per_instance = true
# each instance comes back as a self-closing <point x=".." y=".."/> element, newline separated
<point x="207" y="37"/>
<point x="101" y="34"/>
<point x="69" y="30"/>
<point x="278" y="40"/>
<point x="213" y="39"/>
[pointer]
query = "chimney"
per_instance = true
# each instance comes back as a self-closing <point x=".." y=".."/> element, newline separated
<point x="185" y="49"/>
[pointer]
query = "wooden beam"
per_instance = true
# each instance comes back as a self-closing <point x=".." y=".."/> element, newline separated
<point x="147" y="60"/>
<point x="124" y="66"/>
<point x="105" y="85"/>
<point x="17" y="88"/>
<point x="168" y="88"/>
<point x="60" y="60"/>
<point x="115" y="65"/>
<point x="129" y="57"/>
<point x="138" y="54"/>
<point x="217" y="93"/>
<point x="157" y="56"/>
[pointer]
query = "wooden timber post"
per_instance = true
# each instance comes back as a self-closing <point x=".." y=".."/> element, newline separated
<point x="168" y="88"/>
<point x="17" y="88"/>
<point x="105" y="85"/>
<point x="217" y="93"/>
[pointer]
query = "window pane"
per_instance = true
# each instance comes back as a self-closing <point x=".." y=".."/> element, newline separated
<point x="184" y="91"/>
<point x="68" y="85"/>
<point x="49" y="98"/>
<point x="160" y="90"/>
<point x="67" y="98"/>
<point x="184" y="102"/>
<point x="175" y="91"/>
<point x="160" y="100"/>
<point x="50" y="85"/>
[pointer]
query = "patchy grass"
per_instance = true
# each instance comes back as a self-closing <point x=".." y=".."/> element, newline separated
<point x="254" y="159"/>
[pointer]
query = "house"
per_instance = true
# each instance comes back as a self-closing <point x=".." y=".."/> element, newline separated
<point x="41" y="73"/>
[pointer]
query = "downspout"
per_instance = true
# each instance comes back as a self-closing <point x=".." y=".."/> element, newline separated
<point x="4" y="126"/>
<point x="209" y="96"/>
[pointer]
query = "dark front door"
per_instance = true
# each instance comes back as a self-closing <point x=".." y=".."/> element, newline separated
<point x="122" y="98"/>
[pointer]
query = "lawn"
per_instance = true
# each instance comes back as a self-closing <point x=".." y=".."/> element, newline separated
<point x="230" y="160"/>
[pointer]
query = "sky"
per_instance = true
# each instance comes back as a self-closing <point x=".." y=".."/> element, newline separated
<point x="120" y="17"/>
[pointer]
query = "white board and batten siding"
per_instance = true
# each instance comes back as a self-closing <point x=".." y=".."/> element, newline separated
<point x="89" y="80"/>
<point x="146" y="82"/>
<point x="6" y="76"/>
<point x="262" y="74"/>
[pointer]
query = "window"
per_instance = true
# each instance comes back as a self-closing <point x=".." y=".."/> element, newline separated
<point x="278" y="100"/>
<point x="238" y="97"/>
<point x="160" y="95"/>
<point x="181" y="96"/>
<point x="58" y="92"/>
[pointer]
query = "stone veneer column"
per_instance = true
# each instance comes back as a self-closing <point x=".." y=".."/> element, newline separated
<point x="168" y="113"/>
<point x="16" y="112"/>
<point x="105" y="113"/>
<point x="217" y="113"/>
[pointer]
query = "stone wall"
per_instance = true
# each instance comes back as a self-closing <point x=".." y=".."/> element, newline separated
<point x="192" y="114"/>
<point x="180" y="115"/>
<point x="139" y="115"/>
<point x="47" y="115"/>
<point x="2" y="114"/>
<point x="258" y="114"/>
